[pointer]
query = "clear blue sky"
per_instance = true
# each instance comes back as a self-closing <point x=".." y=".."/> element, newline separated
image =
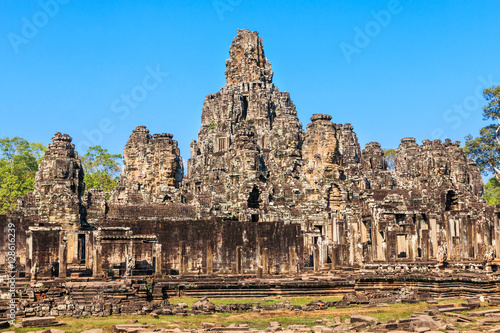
<point x="417" y="74"/>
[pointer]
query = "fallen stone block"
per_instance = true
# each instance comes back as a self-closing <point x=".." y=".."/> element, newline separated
<point x="130" y="328"/>
<point x="38" y="321"/>
<point x="360" y="326"/>
<point x="483" y="313"/>
<point x="460" y="318"/>
<point x="422" y="329"/>
<point x="357" y="318"/>
<point x="456" y="308"/>
<point x="321" y="329"/>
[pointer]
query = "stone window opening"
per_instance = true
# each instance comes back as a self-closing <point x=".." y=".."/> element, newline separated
<point x="454" y="228"/>
<point x="255" y="218"/>
<point x="222" y="144"/>
<point x="451" y="201"/>
<point x="244" y="108"/>
<point x="253" y="198"/>
<point x="319" y="229"/>
<point x="400" y="218"/>
<point x="366" y="232"/>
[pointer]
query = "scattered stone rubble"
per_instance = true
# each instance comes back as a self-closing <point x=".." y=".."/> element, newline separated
<point x="438" y="318"/>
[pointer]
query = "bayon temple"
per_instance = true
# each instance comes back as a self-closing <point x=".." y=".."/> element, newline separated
<point x="261" y="196"/>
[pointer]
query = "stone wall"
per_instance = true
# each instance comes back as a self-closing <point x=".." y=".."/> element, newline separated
<point x="210" y="246"/>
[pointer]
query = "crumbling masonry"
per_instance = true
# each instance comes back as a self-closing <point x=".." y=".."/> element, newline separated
<point x="261" y="196"/>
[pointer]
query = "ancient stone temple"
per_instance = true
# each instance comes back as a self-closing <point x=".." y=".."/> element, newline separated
<point x="261" y="196"/>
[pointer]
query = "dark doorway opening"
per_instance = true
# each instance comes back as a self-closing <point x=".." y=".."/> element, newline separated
<point x="81" y="248"/>
<point x="244" y="108"/>
<point x="253" y="198"/>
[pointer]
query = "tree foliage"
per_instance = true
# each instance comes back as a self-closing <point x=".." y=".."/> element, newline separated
<point x="485" y="149"/>
<point x="390" y="157"/>
<point x="492" y="191"/>
<point x="101" y="168"/>
<point x="19" y="161"/>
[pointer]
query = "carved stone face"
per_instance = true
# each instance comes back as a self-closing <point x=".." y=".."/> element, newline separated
<point x="378" y="162"/>
<point x="441" y="165"/>
<point x="461" y="176"/>
<point x="62" y="169"/>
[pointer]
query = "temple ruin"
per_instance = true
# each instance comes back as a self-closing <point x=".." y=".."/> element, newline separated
<point x="261" y="196"/>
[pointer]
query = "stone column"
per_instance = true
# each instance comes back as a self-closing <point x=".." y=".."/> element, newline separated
<point x="316" y="259"/>
<point x="158" y="256"/>
<point x="29" y="250"/>
<point x="210" y="257"/>
<point x="97" y="258"/>
<point x="239" y="260"/>
<point x="265" y="266"/>
<point x="63" y="254"/>
<point x="496" y="236"/>
<point x="496" y="232"/>
<point x="182" y="258"/>
<point x="292" y="260"/>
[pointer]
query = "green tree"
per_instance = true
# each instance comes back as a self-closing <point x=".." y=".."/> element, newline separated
<point x="390" y="157"/>
<point x="485" y="149"/>
<point x="19" y="161"/>
<point x="492" y="192"/>
<point x="101" y="168"/>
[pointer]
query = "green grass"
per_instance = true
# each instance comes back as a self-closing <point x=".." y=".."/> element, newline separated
<point x="254" y="320"/>
<point x="267" y="301"/>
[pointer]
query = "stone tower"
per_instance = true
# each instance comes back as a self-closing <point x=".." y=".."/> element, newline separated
<point x="152" y="171"/>
<point x="59" y="184"/>
<point x="246" y="160"/>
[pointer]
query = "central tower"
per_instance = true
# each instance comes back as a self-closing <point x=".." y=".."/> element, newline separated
<point x="247" y="158"/>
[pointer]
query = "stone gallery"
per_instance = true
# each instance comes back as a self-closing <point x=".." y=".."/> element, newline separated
<point x="261" y="196"/>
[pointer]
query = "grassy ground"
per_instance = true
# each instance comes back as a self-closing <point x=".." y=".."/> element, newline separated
<point x="255" y="320"/>
<point x="268" y="300"/>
